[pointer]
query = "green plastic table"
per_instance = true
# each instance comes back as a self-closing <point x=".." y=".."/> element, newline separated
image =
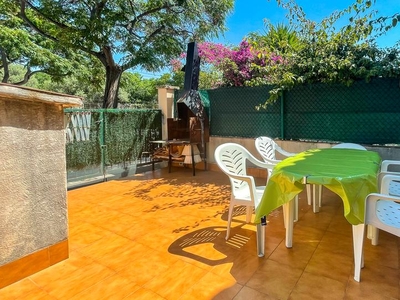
<point x="350" y="173"/>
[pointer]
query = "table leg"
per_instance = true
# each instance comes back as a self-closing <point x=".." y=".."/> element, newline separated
<point x="309" y="195"/>
<point x="169" y="159"/>
<point x="358" y="238"/>
<point x="288" y="210"/>
<point x="260" y="239"/>
<point x="193" y="164"/>
<point x="316" y="195"/>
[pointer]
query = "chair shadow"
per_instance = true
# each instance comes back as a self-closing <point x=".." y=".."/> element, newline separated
<point x="187" y="245"/>
<point x="237" y="212"/>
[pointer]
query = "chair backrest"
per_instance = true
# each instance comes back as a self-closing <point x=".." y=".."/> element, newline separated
<point x="231" y="158"/>
<point x="266" y="147"/>
<point x="349" y="146"/>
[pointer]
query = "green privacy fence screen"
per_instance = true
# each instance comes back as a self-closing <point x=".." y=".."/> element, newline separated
<point x="365" y="112"/>
<point x="101" y="137"/>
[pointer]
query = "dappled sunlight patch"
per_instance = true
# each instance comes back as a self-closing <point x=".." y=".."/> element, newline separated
<point x="203" y="194"/>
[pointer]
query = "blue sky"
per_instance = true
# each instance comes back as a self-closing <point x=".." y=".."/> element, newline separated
<point x="249" y="15"/>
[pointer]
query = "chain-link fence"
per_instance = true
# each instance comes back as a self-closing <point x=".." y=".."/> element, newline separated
<point x="365" y="112"/>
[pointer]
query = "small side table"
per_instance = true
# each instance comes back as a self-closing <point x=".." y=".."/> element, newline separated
<point x="170" y="158"/>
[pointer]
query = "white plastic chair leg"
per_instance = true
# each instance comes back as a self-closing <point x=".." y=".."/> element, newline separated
<point x="312" y="192"/>
<point x="249" y="212"/>
<point x="373" y="234"/>
<point x="230" y="213"/>
<point x="358" y="238"/>
<point x="370" y="233"/>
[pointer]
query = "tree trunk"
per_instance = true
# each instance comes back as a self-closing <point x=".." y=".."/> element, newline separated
<point x="113" y="77"/>
<point x="6" y="71"/>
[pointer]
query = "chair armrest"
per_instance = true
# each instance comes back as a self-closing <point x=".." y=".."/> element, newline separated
<point x="385" y="180"/>
<point x="246" y="178"/>
<point x="373" y="197"/>
<point x="389" y="223"/>
<point x="284" y="152"/>
<point x="386" y="163"/>
<point x="261" y="164"/>
<point x="371" y="202"/>
<point x="272" y="161"/>
<point x="249" y="180"/>
<point x="383" y="174"/>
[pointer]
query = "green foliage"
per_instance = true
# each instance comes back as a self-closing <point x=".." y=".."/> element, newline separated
<point x="19" y="44"/>
<point x="319" y="52"/>
<point x="125" y="134"/>
<point x="279" y="39"/>
<point x="145" y="33"/>
<point x="128" y="132"/>
<point x="135" y="91"/>
<point x="141" y="92"/>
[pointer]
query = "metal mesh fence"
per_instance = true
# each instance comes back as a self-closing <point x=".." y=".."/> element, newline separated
<point x="233" y="113"/>
<point x="365" y="112"/>
<point x="108" y="137"/>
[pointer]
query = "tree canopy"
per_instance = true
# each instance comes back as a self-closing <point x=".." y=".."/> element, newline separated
<point x="124" y="34"/>
<point x="19" y="44"/>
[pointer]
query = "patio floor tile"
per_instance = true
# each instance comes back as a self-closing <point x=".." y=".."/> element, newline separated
<point x="161" y="235"/>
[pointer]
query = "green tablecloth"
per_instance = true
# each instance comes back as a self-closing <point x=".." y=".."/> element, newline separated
<point x="350" y="173"/>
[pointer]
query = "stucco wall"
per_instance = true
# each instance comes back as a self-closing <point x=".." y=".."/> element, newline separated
<point x="33" y="206"/>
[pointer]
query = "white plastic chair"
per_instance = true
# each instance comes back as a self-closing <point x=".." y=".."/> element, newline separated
<point x="231" y="159"/>
<point x="394" y="188"/>
<point x="382" y="211"/>
<point x="268" y="148"/>
<point x="349" y="146"/>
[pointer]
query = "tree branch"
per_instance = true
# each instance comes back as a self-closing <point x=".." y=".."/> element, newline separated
<point x="33" y="26"/>
<point x="44" y="34"/>
<point x="58" y="24"/>
<point x="29" y="73"/>
<point x="97" y="9"/>
<point x="136" y="19"/>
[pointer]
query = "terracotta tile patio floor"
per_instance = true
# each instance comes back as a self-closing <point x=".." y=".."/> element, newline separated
<point x="161" y="235"/>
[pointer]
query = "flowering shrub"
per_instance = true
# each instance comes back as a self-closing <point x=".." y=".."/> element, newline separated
<point x="242" y="66"/>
